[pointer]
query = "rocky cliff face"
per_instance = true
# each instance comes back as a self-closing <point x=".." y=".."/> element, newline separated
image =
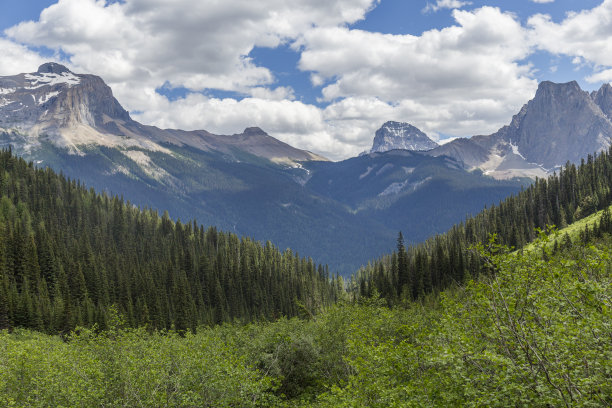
<point x="397" y="135"/>
<point x="561" y="123"/>
<point x="57" y="96"/>
<point x="603" y="99"/>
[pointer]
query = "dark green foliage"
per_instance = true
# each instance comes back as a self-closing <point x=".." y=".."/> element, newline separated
<point x="446" y="260"/>
<point x="67" y="254"/>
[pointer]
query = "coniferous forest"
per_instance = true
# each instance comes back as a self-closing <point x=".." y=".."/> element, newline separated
<point x="67" y="254"/>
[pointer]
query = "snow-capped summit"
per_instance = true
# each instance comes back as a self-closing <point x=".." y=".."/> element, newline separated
<point x="52" y="68"/>
<point x="399" y="135"/>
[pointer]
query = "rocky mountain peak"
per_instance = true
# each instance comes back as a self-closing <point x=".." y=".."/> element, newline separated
<point x="561" y="123"/>
<point x="557" y="88"/>
<point x="54" y="102"/>
<point x="52" y="68"/>
<point x="603" y="99"/>
<point x="254" y="131"/>
<point x="400" y="135"/>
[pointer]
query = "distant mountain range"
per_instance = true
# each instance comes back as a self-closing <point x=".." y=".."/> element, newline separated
<point x="561" y="123"/>
<point x="74" y="111"/>
<point x="342" y="213"/>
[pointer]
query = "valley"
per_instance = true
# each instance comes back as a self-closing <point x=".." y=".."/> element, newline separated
<point x="305" y="204"/>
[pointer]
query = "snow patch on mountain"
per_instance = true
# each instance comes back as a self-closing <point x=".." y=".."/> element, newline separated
<point x="45" y="98"/>
<point x="398" y="187"/>
<point x="367" y="172"/>
<point x="5" y="102"/>
<point x="384" y="168"/>
<point x="393" y="188"/>
<point x="118" y="169"/>
<point x="515" y="150"/>
<point x="7" y="91"/>
<point x="49" y="79"/>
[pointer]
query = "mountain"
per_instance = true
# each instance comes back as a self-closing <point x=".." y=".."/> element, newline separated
<point x="74" y="111"/>
<point x="245" y="183"/>
<point x="561" y="123"/>
<point x="408" y="191"/>
<point x="396" y="135"/>
<point x="252" y="184"/>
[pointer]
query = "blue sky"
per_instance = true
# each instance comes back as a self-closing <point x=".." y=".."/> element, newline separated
<point x="322" y="75"/>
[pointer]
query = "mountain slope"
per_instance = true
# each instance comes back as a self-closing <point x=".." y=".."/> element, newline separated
<point x="408" y="191"/>
<point x="67" y="254"/>
<point x="446" y="259"/>
<point x="74" y="111"/>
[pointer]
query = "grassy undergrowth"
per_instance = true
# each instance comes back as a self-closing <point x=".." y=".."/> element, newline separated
<point x="573" y="231"/>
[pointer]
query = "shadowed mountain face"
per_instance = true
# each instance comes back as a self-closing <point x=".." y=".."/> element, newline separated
<point x="561" y="123"/>
<point x="343" y="213"/>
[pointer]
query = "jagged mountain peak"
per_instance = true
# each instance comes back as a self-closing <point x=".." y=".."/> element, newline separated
<point x="551" y="95"/>
<point x="603" y="99"/>
<point x="254" y="131"/>
<point x="400" y="135"/>
<point x="561" y="123"/>
<point x="52" y="68"/>
<point x="555" y="87"/>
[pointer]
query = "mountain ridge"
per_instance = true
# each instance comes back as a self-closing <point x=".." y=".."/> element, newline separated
<point x="73" y="110"/>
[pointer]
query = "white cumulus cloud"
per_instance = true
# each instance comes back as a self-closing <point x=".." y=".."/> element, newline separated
<point x="461" y="80"/>
<point x="583" y="36"/>
<point x="17" y="58"/>
<point x="445" y="4"/>
<point x="190" y="43"/>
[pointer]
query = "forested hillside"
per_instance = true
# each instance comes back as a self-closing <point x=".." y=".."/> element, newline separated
<point x="67" y="254"/>
<point x="446" y="259"/>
